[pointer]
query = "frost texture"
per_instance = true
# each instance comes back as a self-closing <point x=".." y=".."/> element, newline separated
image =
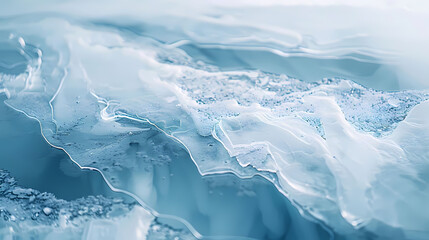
<point x="27" y="213"/>
<point x="136" y="101"/>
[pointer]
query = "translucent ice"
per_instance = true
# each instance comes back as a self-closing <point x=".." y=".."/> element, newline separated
<point x="215" y="120"/>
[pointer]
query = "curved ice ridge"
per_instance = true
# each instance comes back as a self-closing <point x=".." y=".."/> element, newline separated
<point x="143" y="215"/>
<point x="333" y="147"/>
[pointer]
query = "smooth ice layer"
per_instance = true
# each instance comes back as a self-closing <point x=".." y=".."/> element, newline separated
<point x="236" y="90"/>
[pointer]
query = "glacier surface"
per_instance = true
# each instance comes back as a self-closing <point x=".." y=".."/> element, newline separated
<point x="215" y="120"/>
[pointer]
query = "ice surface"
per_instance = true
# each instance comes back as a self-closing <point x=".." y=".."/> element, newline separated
<point x="27" y="213"/>
<point x="216" y="120"/>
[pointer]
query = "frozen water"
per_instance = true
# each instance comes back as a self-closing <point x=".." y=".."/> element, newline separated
<point x="231" y="120"/>
<point x="29" y="214"/>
